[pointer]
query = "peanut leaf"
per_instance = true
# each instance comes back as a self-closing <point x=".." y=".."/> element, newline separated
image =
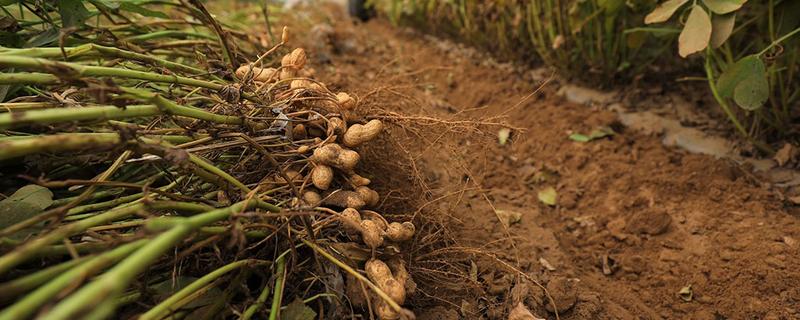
<point x="724" y="6"/>
<point x="25" y="203"/>
<point x="722" y="27"/>
<point x="737" y="72"/>
<point x="297" y="310"/>
<point x="73" y="13"/>
<point x="664" y="11"/>
<point x="696" y="33"/>
<point x="752" y="92"/>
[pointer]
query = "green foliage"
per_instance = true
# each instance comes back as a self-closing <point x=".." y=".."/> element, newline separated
<point x="764" y="83"/>
<point x="609" y="41"/>
<point x="598" y="36"/>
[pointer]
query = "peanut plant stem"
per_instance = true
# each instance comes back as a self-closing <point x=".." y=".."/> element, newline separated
<point x="111" y="284"/>
<point x="87" y="49"/>
<point x="277" y="294"/>
<point x="31" y="302"/>
<point x="162" y="309"/>
<point x="100" y="113"/>
<point x="57" y="143"/>
<point x="27" y="250"/>
<point x="12" y="289"/>
<point x="65" y="68"/>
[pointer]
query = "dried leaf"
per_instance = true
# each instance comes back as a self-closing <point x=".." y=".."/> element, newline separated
<point x="686" y="293"/>
<point x="724" y="6"/>
<point x="508" y="217"/>
<point x="521" y="312"/>
<point x="503" y="135"/>
<point x="548" y="196"/>
<point x="722" y="27"/>
<point x="664" y="11"/>
<point x="473" y="271"/>
<point x="696" y="33"/>
<point x="546" y="264"/>
<point x="785" y="154"/>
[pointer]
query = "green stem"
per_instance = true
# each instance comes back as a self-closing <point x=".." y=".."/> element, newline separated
<point x="781" y="39"/>
<point x="23" y="146"/>
<point x="27" y="250"/>
<point x="162" y="309"/>
<point x="277" y="294"/>
<point x="111" y="284"/>
<point x="86" y="49"/>
<point x="727" y="109"/>
<point x="72" y="70"/>
<point x="393" y="304"/>
<point x="731" y="116"/>
<point x="12" y="289"/>
<point x="36" y="299"/>
<point x="167" y="34"/>
<point x="103" y="113"/>
<point x="57" y="143"/>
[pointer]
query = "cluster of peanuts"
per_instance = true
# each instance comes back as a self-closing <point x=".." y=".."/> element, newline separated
<point x="334" y="184"/>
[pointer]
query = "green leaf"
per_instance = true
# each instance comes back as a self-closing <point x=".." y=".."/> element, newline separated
<point x="752" y="92"/>
<point x="73" y="13"/>
<point x="664" y="11"/>
<point x="548" y="196"/>
<point x="44" y="38"/>
<point x="724" y="6"/>
<point x="722" y="27"/>
<point x="107" y="4"/>
<point x="8" y="2"/>
<point x="598" y="133"/>
<point x="696" y="33"/>
<point x="132" y="7"/>
<point x="297" y="310"/>
<point x="736" y="73"/>
<point x="579" y="137"/>
<point x="611" y="7"/>
<point x="25" y="203"/>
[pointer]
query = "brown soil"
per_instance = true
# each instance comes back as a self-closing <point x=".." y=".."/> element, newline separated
<point x="635" y="222"/>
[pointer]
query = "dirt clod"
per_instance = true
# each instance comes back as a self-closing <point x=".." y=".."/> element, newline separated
<point x="564" y="293"/>
<point x="652" y="222"/>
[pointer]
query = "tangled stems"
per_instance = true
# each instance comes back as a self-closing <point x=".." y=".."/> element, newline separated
<point x="111" y="284"/>
<point x="74" y="70"/>
<point x="171" y="303"/>
<point x="98" y="113"/>
<point x="29" y="249"/>
<point x="30" y="303"/>
<point x="89" y="48"/>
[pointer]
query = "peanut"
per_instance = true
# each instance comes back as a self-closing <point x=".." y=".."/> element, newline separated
<point x="400" y="231"/>
<point x="371" y="233"/>
<point x="344" y="199"/>
<point x="322" y="176"/>
<point x="370" y="197"/>
<point x="358" y="134"/>
<point x="335" y="156"/>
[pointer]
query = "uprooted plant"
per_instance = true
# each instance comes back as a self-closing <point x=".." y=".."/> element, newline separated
<point x="224" y="185"/>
